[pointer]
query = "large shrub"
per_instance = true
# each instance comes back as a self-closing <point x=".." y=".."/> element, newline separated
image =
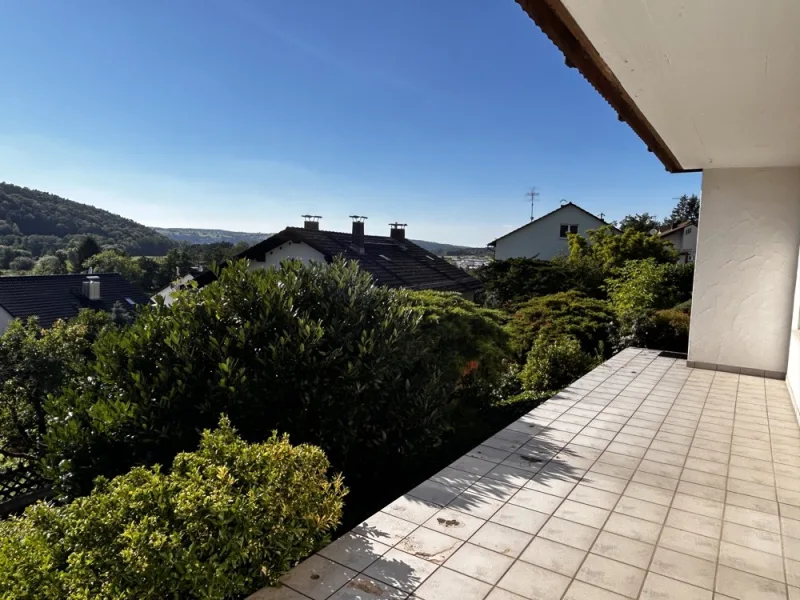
<point x="35" y="363"/>
<point x="610" y="250"/>
<point x="317" y="351"/>
<point x="641" y="286"/>
<point x="469" y="341"/>
<point x="553" y="363"/>
<point x="227" y="519"/>
<point x="662" y="330"/>
<point x="588" y="320"/>
<point x="518" y="279"/>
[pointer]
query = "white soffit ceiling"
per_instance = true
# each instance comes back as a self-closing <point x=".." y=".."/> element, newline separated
<point x="719" y="80"/>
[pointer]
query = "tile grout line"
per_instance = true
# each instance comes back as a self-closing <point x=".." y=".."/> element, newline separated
<point x="600" y="529"/>
<point x="421" y="525"/>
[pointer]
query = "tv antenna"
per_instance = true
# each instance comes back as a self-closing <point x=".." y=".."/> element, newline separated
<point x="533" y="195"/>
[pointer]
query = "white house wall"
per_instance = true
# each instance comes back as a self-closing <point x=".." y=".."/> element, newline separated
<point x="295" y="250"/>
<point x="793" y="368"/>
<point x="5" y="319"/>
<point x="541" y="239"/>
<point x="746" y="268"/>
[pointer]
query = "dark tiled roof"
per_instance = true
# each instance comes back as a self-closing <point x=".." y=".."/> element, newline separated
<point x="53" y="297"/>
<point x="391" y="262"/>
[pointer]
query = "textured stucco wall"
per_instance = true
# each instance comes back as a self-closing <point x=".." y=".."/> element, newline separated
<point x="793" y="368"/>
<point x="745" y="275"/>
<point x="542" y="237"/>
<point x="5" y="319"/>
<point x="296" y="250"/>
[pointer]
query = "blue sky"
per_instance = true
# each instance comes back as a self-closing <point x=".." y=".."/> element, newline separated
<point x="244" y="114"/>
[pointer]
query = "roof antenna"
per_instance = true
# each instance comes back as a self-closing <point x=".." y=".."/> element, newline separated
<point x="564" y="202"/>
<point x="533" y="195"/>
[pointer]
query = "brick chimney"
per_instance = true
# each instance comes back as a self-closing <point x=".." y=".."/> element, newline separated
<point x="311" y="222"/>
<point x="357" y="240"/>
<point x="397" y="231"/>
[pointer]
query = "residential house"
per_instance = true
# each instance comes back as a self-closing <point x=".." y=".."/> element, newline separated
<point x="392" y="260"/>
<point x="546" y="237"/>
<point x="53" y="297"/>
<point x="684" y="237"/>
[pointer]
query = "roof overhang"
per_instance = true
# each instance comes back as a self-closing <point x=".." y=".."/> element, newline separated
<point x="705" y="84"/>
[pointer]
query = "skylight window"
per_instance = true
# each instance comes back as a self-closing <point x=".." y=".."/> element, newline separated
<point x="129" y="301"/>
<point x="384" y="257"/>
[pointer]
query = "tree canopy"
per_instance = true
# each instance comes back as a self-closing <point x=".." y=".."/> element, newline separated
<point x="610" y="250"/>
<point x="41" y="223"/>
<point x="644" y="222"/>
<point x="687" y="209"/>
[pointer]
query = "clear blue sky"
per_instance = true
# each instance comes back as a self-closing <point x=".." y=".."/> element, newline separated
<point x="244" y="114"/>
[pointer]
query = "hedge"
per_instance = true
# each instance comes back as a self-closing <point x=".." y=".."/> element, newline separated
<point x="227" y="519"/>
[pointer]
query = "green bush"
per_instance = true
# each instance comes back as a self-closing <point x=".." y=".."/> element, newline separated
<point x="641" y="286"/>
<point x="610" y="250"/>
<point x="553" y="363"/>
<point x="227" y="519"/>
<point x="588" y="320"/>
<point x="518" y="279"/>
<point x="663" y="330"/>
<point x="317" y="351"/>
<point x="35" y="363"/>
<point x="469" y="341"/>
<point x="684" y="307"/>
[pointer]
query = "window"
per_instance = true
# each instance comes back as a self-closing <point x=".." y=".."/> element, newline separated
<point x="565" y="229"/>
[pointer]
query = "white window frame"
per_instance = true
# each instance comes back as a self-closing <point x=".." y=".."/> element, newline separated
<point x="570" y="227"/>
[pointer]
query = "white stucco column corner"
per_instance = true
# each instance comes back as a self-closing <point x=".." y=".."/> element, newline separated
<point x="746" y="270"/>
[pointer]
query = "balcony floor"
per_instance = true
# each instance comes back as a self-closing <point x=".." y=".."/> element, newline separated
<point x="643" y="479"/>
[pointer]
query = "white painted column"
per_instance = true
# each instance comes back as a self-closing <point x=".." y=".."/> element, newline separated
<point x="793" y="367"/>
<point x="746" y="269"/>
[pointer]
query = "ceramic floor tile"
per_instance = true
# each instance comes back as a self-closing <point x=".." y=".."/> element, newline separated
<point x="501" y="539"/>
<point x="658" y="587"/>
<point x="611" y="575"/>
<point x="534" y="583"/>
<point x="689" y="569"/>
<point x="479" y="563"/>
<point x="445" y="584"/>
<point x="554" y="556"/>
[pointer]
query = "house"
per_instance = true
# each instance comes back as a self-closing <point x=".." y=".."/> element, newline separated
<point x="53" y="297"/>
<point x="684" y="237"/>
<point x="392" y="260"/>
<point x="546" y="237"/>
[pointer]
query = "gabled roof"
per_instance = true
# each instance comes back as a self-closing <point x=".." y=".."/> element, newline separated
<point x="394" y="263"/>
<point x="562" y="207"/>
<point x="53" y="297"/>
<point x="677" y="227"/>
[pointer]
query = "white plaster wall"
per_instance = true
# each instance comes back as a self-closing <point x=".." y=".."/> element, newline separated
<point x="296" y="250"/>
<point x="5" y="319"/>
<point x="542" y="237"/>
<point x="746" y="267"/>
<point x="793" y="367"/>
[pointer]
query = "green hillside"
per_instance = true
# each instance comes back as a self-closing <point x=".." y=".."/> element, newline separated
<point x="41" y="223"/>
<point x="210" y="236"/>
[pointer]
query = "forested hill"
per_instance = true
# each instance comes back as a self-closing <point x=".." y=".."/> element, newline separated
<point x="210" y="236"/>
<point x="42" y="223"/>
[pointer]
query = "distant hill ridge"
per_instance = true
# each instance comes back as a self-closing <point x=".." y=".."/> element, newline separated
<point x="41" y="223"/>
<point x="210" y="236"/>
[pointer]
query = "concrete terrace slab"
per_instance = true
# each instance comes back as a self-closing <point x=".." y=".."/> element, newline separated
<point x="643" y="479"/>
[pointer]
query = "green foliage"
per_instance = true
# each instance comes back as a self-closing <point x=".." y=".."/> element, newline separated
<point x="684" y="307"/>
<point x="42" y="223"/>
<point x="227" y="520"/>
<point x="22" y="263"/>
<point x="469" y="341"/>
<point x="662" y="330"/>
<point x="115" y="261"/>
<point x="644" y="222"/>
<point x="8" y="254"/>
<point x="86" y="248"/>
<point x="553" y="363"/>
<point x="317" y="351"/>
<point x="641" y="286"/>
<point x="518" y="279"/>
<point x="609" y="250"/>
<point x="50" y="265"/>
<point x="587" y="320"/>
<point x="35" y="363"/>
<point x="687" y="209"/>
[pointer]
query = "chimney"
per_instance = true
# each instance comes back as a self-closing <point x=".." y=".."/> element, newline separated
<point x="311" y="222"/>
<point x="397" y="231"/>
<point x="91" y="287"/>
<point x="358" y="233"/>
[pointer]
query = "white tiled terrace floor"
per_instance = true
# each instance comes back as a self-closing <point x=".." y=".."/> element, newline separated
<point x="644" y="479"/>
